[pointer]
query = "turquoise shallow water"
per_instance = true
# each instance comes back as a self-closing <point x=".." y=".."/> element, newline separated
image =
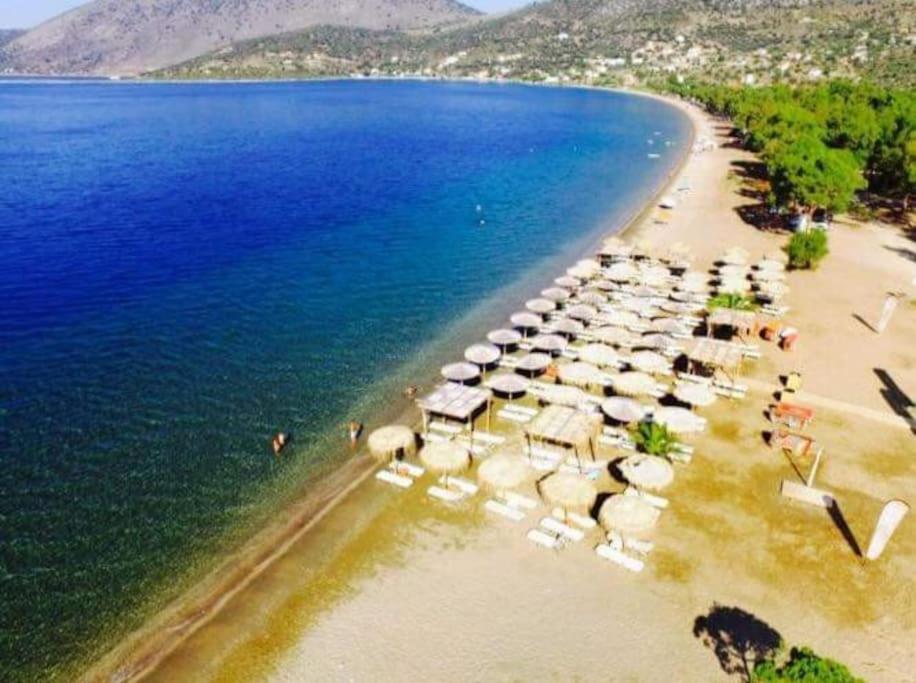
<point x="185" y="269"/>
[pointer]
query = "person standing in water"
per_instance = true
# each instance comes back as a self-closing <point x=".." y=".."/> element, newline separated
<point x="355" y="429"/>
<point x="279" y="443"/>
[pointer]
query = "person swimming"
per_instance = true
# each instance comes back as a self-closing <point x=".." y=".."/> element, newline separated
<point x="279" y="442"/>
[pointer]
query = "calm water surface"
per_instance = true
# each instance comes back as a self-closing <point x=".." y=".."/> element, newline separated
<point x="185" y="269"/>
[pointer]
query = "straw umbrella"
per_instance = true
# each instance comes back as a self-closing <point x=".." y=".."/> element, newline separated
<point x="568" y="491"/>
<point x="737" y="256"/>
<point x="557" y="294"/>
<point x="658" y="341"/>
<point x="569" y="327"/>
<point x="615" y="247"/>
<point x="627" y="514"/>
<point x="734" y="285"/>
<point x="542" y="306"/>
<point x="698" y="395"/>
<point x="633" y="384"/>
<point x="591" y="298"/>
<point x="692" y="286"/>
<point x="392" y="441"/>
<point x="551" y="343"/>
<point x="615" y="336"/>
<point x="581" y="374"/>
<point x="601" y="355"/>
<point x="647" y="471"/>
<point x="567" y="281"/>
<point x="623" y="409"/>
<point x="581" y="312"/>
<point x="502" y="472"/>
<point x="768" y="275"/>
<point x="508" y="384"/>
<point x="482" y="354"/>
<point x="769" y="263"/>
<point x="688" y="297"/>
<point x="729" y="271"/>
<point x="583" y="272"/>
<point x="621" y="272"/>
<point x="650" y="362"/>
<point x="460" y="372"/>
<point x="671" y="326"/>
<point x="620" y="318"/>
<point x="445" y="457"/>
<point x="605" y="285"/>
<point x="562" y="395"/>
<point x="678" y="420"/>
<point x="504" y="338"/>
<point x="526" y="321"/>
<point x="533" y="363"/>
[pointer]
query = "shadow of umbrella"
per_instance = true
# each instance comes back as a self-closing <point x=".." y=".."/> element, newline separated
<point x="738" y="639"/>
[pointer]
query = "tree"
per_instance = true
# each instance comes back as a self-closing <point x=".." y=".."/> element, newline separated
<point x="807" y="249"/>
<point x="807" y="172"/>
<point x="654" y="438"/>
<point x="803" y="666"/>
<point x="732" y="300"/>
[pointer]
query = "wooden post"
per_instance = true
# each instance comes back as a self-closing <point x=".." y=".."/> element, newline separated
<point x="817" y="461"/>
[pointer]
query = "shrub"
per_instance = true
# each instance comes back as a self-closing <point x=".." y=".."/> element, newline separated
<point x="806" y="249"/>
<point x="803" y="666"/>
<point x="732" y="300"/>
<point x="654" y="439"/>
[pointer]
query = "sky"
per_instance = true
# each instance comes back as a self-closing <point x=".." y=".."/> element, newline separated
<point x="28" y="13"/>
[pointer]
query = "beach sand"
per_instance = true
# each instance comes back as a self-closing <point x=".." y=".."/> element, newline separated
<point x="390" y="586"/>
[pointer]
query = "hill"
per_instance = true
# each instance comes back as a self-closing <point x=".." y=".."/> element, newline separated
<point x="130" y="36"/>
<point x="8" y="34"/>
<point x="609" y="41"/>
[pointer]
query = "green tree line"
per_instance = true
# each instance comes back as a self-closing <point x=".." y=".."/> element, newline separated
<point x="822" y="143"/>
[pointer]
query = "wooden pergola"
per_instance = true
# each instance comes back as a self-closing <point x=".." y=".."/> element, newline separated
<point x="718" y="355"/>
<point x="566" y="427"/>
<point x="457" y="402"/>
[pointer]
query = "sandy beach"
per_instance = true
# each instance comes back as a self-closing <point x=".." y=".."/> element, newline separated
<point x="390" y="585"/>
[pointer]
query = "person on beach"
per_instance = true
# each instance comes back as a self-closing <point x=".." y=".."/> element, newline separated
<point x="279" y="442"/>
<point x="355" y="429"/>
<point x="410" y="391"/>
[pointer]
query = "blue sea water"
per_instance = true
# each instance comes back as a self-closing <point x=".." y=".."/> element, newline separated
<point x="185" y="269"/>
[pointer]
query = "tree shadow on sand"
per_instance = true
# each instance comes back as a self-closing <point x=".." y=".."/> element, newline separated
<point x="738" y="639"/>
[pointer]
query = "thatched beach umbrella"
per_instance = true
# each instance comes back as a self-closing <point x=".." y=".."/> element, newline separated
<point x="615" y="336"/>
<point x="581" y="374"/>
<point x="562" y="395"/>
<point x="591" y="298"/>
<point x="392" y="441"/>
<point x="605" y="285"/>
<point x="507" y="384"/>
<point x="615" y="247"/>
<point x="671" y="326"/>
<point x="734" y="271"/>
<point x="482" y="354"/>
<point x="533" y="363"/>
<point x="633" y="384"/>
<point x="650" y="362"/>
<point x="568" y="491"/>
<point x="568" y="327"/>
<point x="504" y="338"/>
<point x="623" y="409"/>
<point x="647" y="471"/>
<point x="542" y="306"/>
<point x="692" y="286"/>
<point x="551" y="343"/>
<point x="699" y="395"/>
<point x="503" y="471"/>
<point x="768" y="275"/>
<point x="557" y="294"/>
<point x="445" y="457"/>
<point x="627" y="514"/>
<point x="681" y="307"/>
<point x="620" y="318"/>
<point x="602" y="355"/>
<point x="771" y="264"/>
<point x="621" y="272"/>
<point x="656" y="340"/>
<point x="737" y="256"/>
<point x="581" y="312"/>
<point x="734" y="285"/>
<point x="584" y="270"/>
<point x="678" y="420"/>
<point x="654" y="276"/>
<point x="460" y="372"/>
<point x="526" y="321"/>
<point x="688" y="297"/>
<point x="567" y="281"/>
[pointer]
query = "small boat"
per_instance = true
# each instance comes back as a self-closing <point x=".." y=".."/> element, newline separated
<point x="654" y="156"/>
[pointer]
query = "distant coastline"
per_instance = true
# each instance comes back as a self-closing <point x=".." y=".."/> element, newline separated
<point x="141" y="651"/>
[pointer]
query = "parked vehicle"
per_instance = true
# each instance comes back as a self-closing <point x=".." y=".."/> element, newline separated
<point x="798" y="222"/>
<point x="820" y="220"/>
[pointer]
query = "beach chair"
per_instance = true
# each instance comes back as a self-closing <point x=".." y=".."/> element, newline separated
<point x="445" y="428"/>
<point x="513" y="416"/>
<point x="544" y="539"/>
<point x="466" y="487"/>
<point x="405" y="468"/>
<point x="580" y="521"/>
<point x="606" y="552"/>
<point x="506" y="511"/>
<point x="652" y="499"/>
<point x="555" y="526"/>
<point x="517" y="500"/>
<point x="390" y="477"/>
<point x="445" y="495"/>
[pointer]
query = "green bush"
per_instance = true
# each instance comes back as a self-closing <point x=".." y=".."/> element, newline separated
<point x="803" y="666"/>
<point x="654" y="439"/>
<point x="732" y="300"/>
<point x="806" y="249"/>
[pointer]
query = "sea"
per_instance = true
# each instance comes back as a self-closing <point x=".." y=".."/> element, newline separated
<point x="188" y="268"/>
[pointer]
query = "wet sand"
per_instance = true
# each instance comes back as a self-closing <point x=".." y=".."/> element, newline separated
<point x="392" y="586"/>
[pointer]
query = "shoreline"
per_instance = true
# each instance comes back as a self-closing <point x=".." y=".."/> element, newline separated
<point x="140" y="652"/>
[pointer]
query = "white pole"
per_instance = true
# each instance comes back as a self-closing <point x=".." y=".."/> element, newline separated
<point x="890" y="304"/>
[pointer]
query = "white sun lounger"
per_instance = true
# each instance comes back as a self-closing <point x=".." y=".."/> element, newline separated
<point x="620" y="543"/>
<point x="432" y="437"/>
<point x="445" y="428"/>
<point x="517" y="500"/>
<point x="503" y="510"/>
<point x="655" y="501"/>
<point x="463" y="485"/>
<point x="486" y="437"/>
<point x="557" y="527"/>
<point x="574" y="517"/>
<point x="446" y="495"/>
<point x="390" y="477"/>
<point x="512" y="416"/>
<point x="617" y="557"/>
<point x="543" y="464"/>
<point x="543" y="539"/>
<point x="524" y="410"/>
